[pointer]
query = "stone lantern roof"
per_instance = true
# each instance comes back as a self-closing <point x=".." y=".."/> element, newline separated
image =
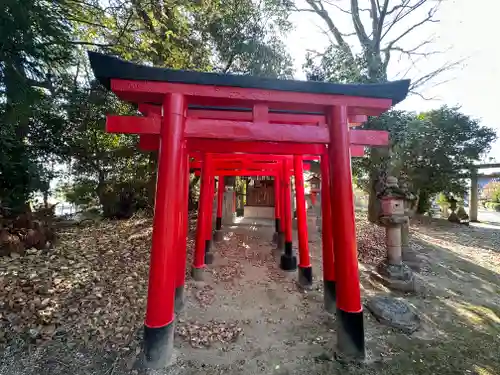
<point x="392" y="190"/>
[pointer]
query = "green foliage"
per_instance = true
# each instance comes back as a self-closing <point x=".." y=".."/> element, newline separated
<point x="489" y="190"/>
<point x="429" y="151"/>
<point x="495" y="197"/>
<point x="442" y="199"/>
<point x="222" y="35"/>
<point x="51" y="111"/>
<point x="82" y="193"/>
<point x="493" y="206"/>
<point x="244" y="43"/>
<point x="33" y="57"/>
<point x="240" y="36"/>
<point x="336" y="65"/>
<point x="106" y="164"/>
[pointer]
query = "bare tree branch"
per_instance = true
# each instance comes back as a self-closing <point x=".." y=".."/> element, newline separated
<point x="424" y="97"/>
<point x="374" y="14"/>
<point x="338" y="7"/>
<point x="433" y="74"/>
<point x="321" y="11"/>
<point x="378" y="32"/>
<point x="412" y="28"/>
<point x="415" y="51"/>
<point x="358" y="25"/>
<point x="313" y="54"/>
<point x="295" y="9"/>
<point x="400" y="6"/>
<point x="402" y="14"/>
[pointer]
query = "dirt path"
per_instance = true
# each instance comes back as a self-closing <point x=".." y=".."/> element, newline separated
<point x="248" y="317"/>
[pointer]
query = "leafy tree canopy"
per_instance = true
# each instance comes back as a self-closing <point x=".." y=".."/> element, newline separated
<point x="431" y="151"/>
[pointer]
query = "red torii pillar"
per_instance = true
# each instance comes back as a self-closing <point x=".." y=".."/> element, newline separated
<point x="281" y="176"/>
<point x="201" y="224"/>
<point x="327" y="237"/>
<point x="183" y="229"/>
<point x="220" y="200"/>
<point x="209" y="256"/>
<point x="350" y="329"/>
<point x="305" y="278"/>
<point x="159" y="321"/>
<point x="288" y="261"/>
<point x="277" y="211"/>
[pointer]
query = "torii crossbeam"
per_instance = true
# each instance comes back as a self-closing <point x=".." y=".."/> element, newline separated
<point x="218" y="113"/>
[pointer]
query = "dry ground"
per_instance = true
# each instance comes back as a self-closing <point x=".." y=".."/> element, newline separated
<point x="79" y="309"/>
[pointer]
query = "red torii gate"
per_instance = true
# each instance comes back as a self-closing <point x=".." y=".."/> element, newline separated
<point x="279" y="117"/>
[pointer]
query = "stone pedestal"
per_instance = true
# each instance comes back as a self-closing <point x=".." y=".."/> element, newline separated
<point x="228" y="213"/>
<point x="392" y="272"/>
<point x="394" y="312"/>
<point x="396" y="276"/>
<point x="393" y="243"/>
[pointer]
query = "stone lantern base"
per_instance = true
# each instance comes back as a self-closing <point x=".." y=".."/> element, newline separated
<point x="411" y="259"/>
<point x="409" y="255"/>
<point x="395" y="276"/>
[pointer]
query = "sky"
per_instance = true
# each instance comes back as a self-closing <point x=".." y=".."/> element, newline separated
<point x="466" y="30"/>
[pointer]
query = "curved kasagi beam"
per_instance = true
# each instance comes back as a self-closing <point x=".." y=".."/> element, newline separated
<point x="106" y="68"/>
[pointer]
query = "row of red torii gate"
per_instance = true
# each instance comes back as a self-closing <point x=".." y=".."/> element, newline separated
<point x="230" y="125"/>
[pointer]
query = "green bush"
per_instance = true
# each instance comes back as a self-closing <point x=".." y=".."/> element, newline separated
<point x="493" y="206"/>
<point x="495" y="196"/>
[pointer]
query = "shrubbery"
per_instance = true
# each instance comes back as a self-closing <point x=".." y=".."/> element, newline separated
<point x="493" y="206"/>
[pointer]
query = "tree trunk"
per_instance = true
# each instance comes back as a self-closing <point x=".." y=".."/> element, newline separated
<point x="423" y="204"/>
<point x="379" y="171"/>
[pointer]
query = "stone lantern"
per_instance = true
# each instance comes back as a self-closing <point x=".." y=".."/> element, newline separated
<point x="392" y="271"/>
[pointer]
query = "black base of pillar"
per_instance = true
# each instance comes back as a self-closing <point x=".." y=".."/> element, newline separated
<point x="277" y="225"/>
<point x="305" y="279"/>
<point x="209" y="257"/>
<point x="288" y="261"/>
<point x="218" y="223"/>
<point x="218" y="236"/>
<point x="158" y="346"/>
<point x="197" y="273"/>
<point x="179" y="299"/>
<point x="329" y="296"/>
<point x="288" y="248"/>
<point x="350" y="336"/>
